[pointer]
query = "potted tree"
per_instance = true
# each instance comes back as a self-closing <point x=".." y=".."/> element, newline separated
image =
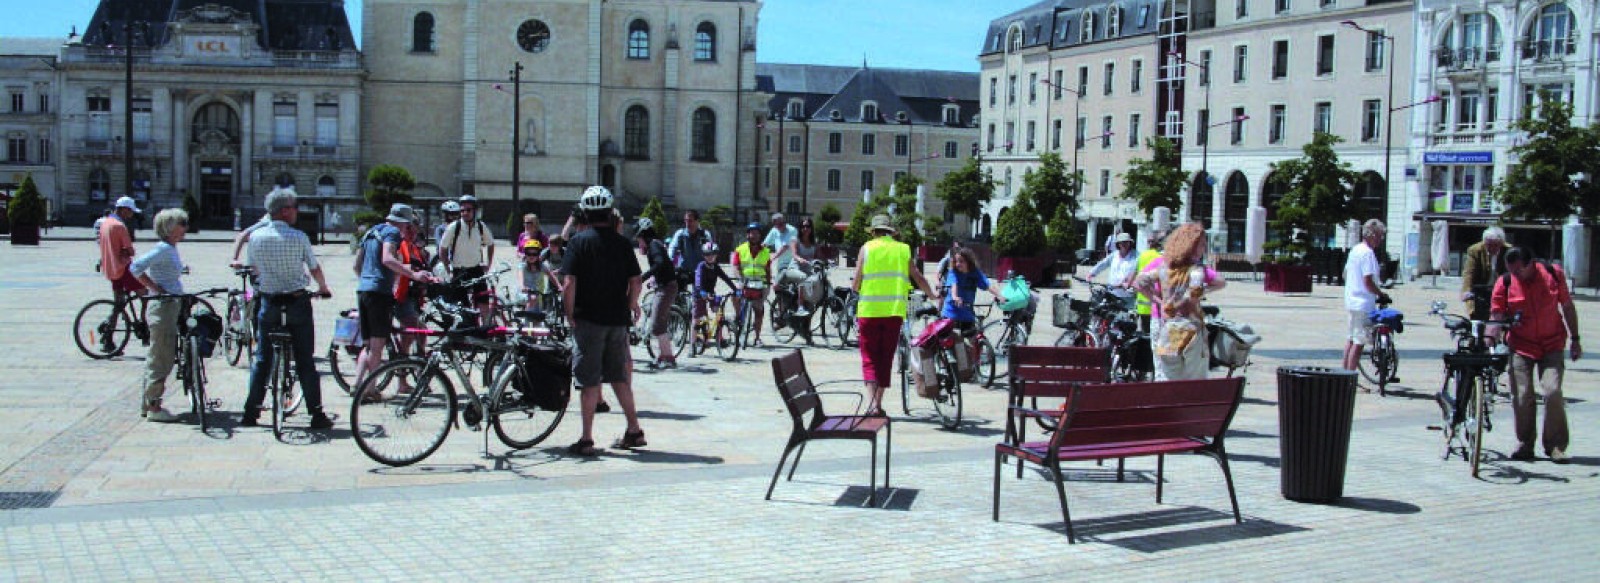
<point x="828" y="235"/>
<point x="966" y="190"/>
<point x="26" y="213"/>
<point x="1319" y="191"/>
<point x="1018" y="237"/>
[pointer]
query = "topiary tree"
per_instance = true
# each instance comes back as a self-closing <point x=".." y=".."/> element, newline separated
<point x="192" y="207"/>
<point x="1320" y="194"/>
<point x="653" y="211"/>
<point x="1019" y="232"/>
<point x="1063" y="236"/>
<point x="27" y="208"/>
<point x="1156" y="182"/>
<point x="826" y="219"/>
<point x="718" y="219"/>
<point x="389" y="184"/>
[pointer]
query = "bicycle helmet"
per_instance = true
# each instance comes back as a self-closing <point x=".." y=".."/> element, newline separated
<point x="595" y="198"/>
<point x="450" y="206"/>
<point x="532" y="245"/>
<point x="752" y="227"/>
<point x="644" y="224"/>
<point x="467" y="198"/>
<point x="709" y="248"/>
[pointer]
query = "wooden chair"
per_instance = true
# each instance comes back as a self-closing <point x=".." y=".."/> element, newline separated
<point x="800" y="395"/>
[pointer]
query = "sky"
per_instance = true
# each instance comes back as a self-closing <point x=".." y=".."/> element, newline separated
<point x="910" y="34"/>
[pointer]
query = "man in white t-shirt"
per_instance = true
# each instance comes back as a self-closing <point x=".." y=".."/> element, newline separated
<point x="467" y="247"/>
<point x="1361" y="291"/>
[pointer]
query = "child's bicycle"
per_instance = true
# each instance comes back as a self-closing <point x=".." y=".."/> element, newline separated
<point x="714" y="331"/>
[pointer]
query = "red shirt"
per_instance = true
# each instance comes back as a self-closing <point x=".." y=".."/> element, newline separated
<point x="1542" y="329"/>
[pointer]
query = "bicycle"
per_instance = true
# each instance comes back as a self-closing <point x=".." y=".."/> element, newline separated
<point x="1382" y="361"/>
<point x="677" y="322"/>
<point x="840" y="313"/>
<point x="1089" y="323"/>
<point x="714" y="330"/>
<point x="283" y="384"/>
<point x="197" y="335"/>
<point x="919" y="314"/>
<point x="744" y="320"/>
<point x="1010" y="331"/>
<point x="1474" y="369"/>
<point x="953" y="363"/>
<point x="103" y="327"/>
<point x="405" y="409"/>
<point x="239" y="331"/>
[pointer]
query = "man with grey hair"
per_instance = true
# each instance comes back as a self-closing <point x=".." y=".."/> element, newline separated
<point x="282" y="257"/>
<point x="1362" y="293"/>
<point x="1485" y="261"/>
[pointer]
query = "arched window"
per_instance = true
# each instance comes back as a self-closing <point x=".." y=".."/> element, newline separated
<point x="530" y="137"/>
<point x="1236" y="210"/>
<point x="705" y="42"/>
<point x="422" y="33"/>
<point x="1086" y="32"/>
<point x="703" y="136"/>
<point x="326" y="186"/>
<point x="1200" y="201"/>
<point x="639" y="40"/>
<point x="99" y="184"/>
<point x="636" y="133"/>
<point x="1550" y="35"/>
<point x="1113" y="22"/>
<point x="1014" y="39"/>
<point x="216" y="117"/>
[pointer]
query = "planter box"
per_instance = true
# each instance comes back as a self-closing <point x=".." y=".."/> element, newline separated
<point x="25" y="234"/>
<point x="1287" y="279"/>
<point x="932" y="252"/>
<point x="1038" y="270"/>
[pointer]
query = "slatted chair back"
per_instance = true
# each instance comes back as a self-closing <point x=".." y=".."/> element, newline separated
<point x="1052" y="371"/>
<point x="796" y="389"/>
<point x="1126" y="412"/>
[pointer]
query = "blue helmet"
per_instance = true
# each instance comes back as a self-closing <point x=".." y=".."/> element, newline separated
<point x="752" y="227"/>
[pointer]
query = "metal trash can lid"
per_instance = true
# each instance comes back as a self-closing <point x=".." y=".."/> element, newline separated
<point x="1315" y="371"/>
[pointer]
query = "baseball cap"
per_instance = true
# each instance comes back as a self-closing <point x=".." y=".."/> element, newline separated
<point x="127" y="202"/>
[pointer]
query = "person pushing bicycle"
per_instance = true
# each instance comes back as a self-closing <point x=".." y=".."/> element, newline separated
<point x="751" y="259"/>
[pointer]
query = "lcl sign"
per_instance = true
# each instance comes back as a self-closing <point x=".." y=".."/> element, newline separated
<point x="211" y="46"/>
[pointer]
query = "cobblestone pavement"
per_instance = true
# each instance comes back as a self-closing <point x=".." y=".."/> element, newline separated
<point x="94" y="493"/>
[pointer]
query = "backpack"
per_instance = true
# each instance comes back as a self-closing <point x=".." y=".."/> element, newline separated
<point x="457" y="237"/>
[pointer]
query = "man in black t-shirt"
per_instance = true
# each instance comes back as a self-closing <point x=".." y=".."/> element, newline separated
<point x="601" y="297"/>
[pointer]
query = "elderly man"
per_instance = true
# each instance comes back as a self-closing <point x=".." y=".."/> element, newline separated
<point x="1485" y="262"/>
<point x="282" y="257"/>
<point x="1537" y="291"/>
<point x="1361" y="290"/>
<point x="116" y="248"/>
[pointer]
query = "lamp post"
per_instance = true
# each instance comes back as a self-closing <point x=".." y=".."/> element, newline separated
<point x="1077" y="106"/>
<point x="1205" y="132"/>
<point x="781" y="147"/>
<point x="128" y="27"/>
<point x="1388" y="131"/>
<point x="516" y="138"/>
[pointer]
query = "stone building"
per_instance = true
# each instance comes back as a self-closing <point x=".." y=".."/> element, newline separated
<point x="832" y="133"/>
<point x="652" y="98"/>
<point x="228" y="98"/>
<point x="28" y="115"/>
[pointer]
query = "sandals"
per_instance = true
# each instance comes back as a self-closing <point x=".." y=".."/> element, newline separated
<point x="584" y="447"/>
<point x="631" y="440"/>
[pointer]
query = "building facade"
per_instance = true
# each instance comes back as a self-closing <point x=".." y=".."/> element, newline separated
<point x="28" y="119"/>
<point x="834" y="133"/>
<point x="651" y="98"/>
<point x="1488" y="63"/>
<point x="228" y="98"/>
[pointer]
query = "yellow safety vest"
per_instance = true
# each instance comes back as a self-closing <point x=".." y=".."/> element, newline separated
<point x="884" y="282"/>
<point x="1142" y="306"/>
<point x="753" y="267"/>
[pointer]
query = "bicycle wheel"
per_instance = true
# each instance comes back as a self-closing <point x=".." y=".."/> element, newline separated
<point x="1371" y="364"/>
<point x="721" y="335"/>
<point x="343" y="375"/>
<point x="1476" y="407"/>
<point x="734" y="330"/>
<point x="230" y="325"/>
<point x="101" y="329"/>
<point x="948" y="401"/>
<point x="678" y="330"/>
<point x="400" y="416"/>
<point x="518" y="424"/>
<point x="277" y="391"/>
<point x="994" y="335"/>
<point x="987" y="363"/>
<point x="844" y="321"/>
<point x="902" y="355"/>
<point x="194" y="382"/>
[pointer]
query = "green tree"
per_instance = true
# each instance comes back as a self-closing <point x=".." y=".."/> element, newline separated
<point x="826" y="219"/>
<point x="1553" y="151"/>
<point x="1156" y="182"/>
<point x="861" y="219"/>
<point x="1063" y="236"/>
<point x="1320" y="192"/>
<point x="719" y="219"/>
<point x="1019" y="232"/>
<point x="654" y="212"/>
<point x="192" y="207"/>
<point x="389" y="184"/>
<point x="966" y="190"/>
<point x="1051" y="185"/>
<point x="28" y="208"/>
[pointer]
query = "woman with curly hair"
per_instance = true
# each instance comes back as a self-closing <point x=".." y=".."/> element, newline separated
<point x="1175" y="284"/>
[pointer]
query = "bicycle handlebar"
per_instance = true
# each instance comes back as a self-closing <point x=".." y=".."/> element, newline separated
<point x="213" y="292"/>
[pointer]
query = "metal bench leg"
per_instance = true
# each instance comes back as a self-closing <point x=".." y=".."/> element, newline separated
<point x="779" y="471"/>
<point x="1161" y="463"/>
<point x="1227" y="475"/>
<point x="1120" y="461"/>
<point x="796" y="465"/>
<point x="872" y="494"/>
<point x="998" y="457"/>
<point x="1061" y="493"/>
<point x="888" y="450"/>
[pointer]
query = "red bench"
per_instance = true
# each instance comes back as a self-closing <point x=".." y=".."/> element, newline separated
<point x="1126" y="420"/>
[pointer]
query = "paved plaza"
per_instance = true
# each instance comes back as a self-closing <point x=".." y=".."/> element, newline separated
<point x="88" y="491"/>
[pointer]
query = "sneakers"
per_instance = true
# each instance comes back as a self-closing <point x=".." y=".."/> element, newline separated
<point x="802" y="313"/>
<point x="1523" y="455"/>
<point x="250" y="418"/>
<point x="320" y="421"/>
<point x="159" y="415"/>
<point x="1560" y="456"/>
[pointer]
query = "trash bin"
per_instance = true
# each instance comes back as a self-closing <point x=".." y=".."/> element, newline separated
<point x="1315" y="407"/>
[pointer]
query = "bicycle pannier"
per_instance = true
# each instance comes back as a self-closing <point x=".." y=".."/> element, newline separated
<point x="206" y="328"/>
<point x="1231" y="343"/>
<point x="347" y="331"/>
<point x="547" y="382"/>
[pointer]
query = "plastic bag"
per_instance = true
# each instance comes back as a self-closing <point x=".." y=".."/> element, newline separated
<point x="1016" y="294"/>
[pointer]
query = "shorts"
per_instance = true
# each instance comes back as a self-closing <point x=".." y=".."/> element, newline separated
<point x="600" y="354"/>
<point x="462" y="295"/>
<point x="408" y="313"/>
<point x="377" y="314"/>
<point x="1360" y="327"/>
<point x="127" y="284"/>
<point x="661" y="313"/>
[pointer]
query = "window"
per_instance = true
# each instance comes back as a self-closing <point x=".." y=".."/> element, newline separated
<point x="866" y="180"/>
<point x="793" y="180"/>
<point x="1322" y="120"/>
<point x="44" y="150"/>
<point x="1205" y="67"/>
<point x="705" y="42"/>
<point x="1371" y="112"/>
<point x="44" y="102"/>
<point x="1491" y="111"/>
<point x="991" y="137"/>
<point x="99" y="183"/>
<point x="1533" y="95"/>
<point x="951" y="151"/>
<point x="1280" y="6"/>
<point x="869" y="112"/>
<point x="1011" y="89"/>
<point x="636" y="133"/>
<point x="1083" y="81"/>
<point x="1086" y="32"/>
<point x="1275" y="123"/>
<point x="994" y="86"/>
<point x="1237" y="136"/>
<point x="703" y="136"/>
<point x="952" y="115"/>
<point x="797" y="109"/>
<point x="1325" y="3"/>
<point x="902" y="145"/>
<point x="1113" y="22"/>
<point x="1134" y="81"/>
<point x="1241" y="63"/>
<point x="1105" y="132"/>
<point x="1280" y="59"/>
<point x="766" y="178"/>
<point x="1111" y="73"/>
<point x="1030" y="135"/>
<point x="1055" y="135"/>
<point x="1144" y="16"/>
<point x="1011" y="135"/>
<point x="18" y="100"/>
<point x="99" y="108"/>
<point x="17" y="147"/>
<point x="869" y="144"/>
<point x="1133" y="130"/>
<point x="284" y="136"/>
<point x="1467" y="111"/>
<point x="767" y="147"/>
<point x="794" y="144"/>
<point x="1325" y="55"/>
<point x="1443" y="111"/>
<point x="1080" y="132"/>
<point x="1033" y="88"/>
<point x="1241" y="8"/>
<point x="422" y="33"/>
<point x="639" y="40"/>
<point x="141" y="120"/>
<point x="1056" y="85"/>
<point x="1373" y="60"/>
<point x="1205" y="127"/>
<point x="835" y="143"/>
<point x="327" y="137"/>
<point x="1551" y="34"/>
<point x="1105" y="182"/>
<point x="834" y="180"/>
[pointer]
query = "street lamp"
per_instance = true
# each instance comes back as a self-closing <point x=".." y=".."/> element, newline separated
<point x="1205" y="138"/>
<point x="1077" y="106"/>
<point x="128" y="27"/>
<point x="1388" y="132"/>
<point x="516" y="138"/>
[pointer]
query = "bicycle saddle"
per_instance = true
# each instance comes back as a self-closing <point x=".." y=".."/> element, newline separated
<point x="1211" y="311"/>
<point x="927" y="312"/>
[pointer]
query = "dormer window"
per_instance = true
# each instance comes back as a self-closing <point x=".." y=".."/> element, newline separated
<point x="1014" y="39"/>
<point x="1086" y="32"/>
<point x="797" y="109"/>
<point x="1113" y="22"/>
<point x="952" y="115"/>
<point x="869" y="112"/>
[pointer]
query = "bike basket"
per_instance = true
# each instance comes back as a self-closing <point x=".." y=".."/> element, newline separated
<point x="1388" y="317"/>
<point x="1066" y="311"/>
<point x="205" y="327"/>
<point x="1475" y="360"/>
<point x="347" y="332"/>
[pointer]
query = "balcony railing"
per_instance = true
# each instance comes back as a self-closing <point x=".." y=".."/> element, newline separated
<point x="1548" y="49"/>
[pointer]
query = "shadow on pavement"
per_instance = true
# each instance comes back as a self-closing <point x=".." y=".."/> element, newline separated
<point x="1497" y="468"/>
<point x="1246" y="434"/>
<point x="888" y="498"/>
<point x="1378" y="505"/>
<point x="664" y="416"/>
<point x="1103" y="530"/>
<point x="1271" y="462"/>
<point x="968" y="426"/>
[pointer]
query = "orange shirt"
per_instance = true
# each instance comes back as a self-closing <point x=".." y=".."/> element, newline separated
<point x="409" y="255"/>
<point x="1542" y="329"/>
<point x="116" y="248"/>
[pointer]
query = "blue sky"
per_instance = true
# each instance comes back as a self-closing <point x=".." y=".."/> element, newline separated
<point x="916" y="34"/>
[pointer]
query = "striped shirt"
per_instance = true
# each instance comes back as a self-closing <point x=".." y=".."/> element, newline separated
<point x="162" y="265"/>
<point x="282" y="255"/>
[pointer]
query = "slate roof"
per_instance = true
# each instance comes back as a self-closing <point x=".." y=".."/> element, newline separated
<point x="921" y="94"/>
<point x="286" y="25"/>
<point x="1057" y="23"/>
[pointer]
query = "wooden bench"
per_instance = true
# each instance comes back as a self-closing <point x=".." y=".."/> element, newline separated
<point x="1126" y="420"/>
<point x="1050" y="372"/>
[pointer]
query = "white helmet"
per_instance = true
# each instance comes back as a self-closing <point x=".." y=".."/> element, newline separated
<point x="709" y="248"/>
<point x="644" y="224"/>
<point x="595" y="198"/>
<point x="450" y="206"/>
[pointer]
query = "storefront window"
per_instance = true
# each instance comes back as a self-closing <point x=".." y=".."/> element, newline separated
<point x="1461" y="189"/>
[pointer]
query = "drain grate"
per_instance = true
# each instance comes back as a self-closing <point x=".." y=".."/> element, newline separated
<point x="19" y="500"/>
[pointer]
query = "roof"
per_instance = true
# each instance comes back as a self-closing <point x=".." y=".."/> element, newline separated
<point x="1058" y="23"/>
<point x="35" y="47"/>
<point x="921" y="94"/>
<point x="285" y="25"/>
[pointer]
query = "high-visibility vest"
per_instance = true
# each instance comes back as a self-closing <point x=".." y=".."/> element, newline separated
<point x="1142" y="306"/>
<point x="752" y="266"/>
<point x="884" y="282"/>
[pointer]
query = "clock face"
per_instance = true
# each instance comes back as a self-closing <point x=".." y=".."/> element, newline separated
<point x="533" y="36"/>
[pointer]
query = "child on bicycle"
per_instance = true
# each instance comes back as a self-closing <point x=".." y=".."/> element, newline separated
<point x="706" y="275"/>
<point x="538" y="278"/>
